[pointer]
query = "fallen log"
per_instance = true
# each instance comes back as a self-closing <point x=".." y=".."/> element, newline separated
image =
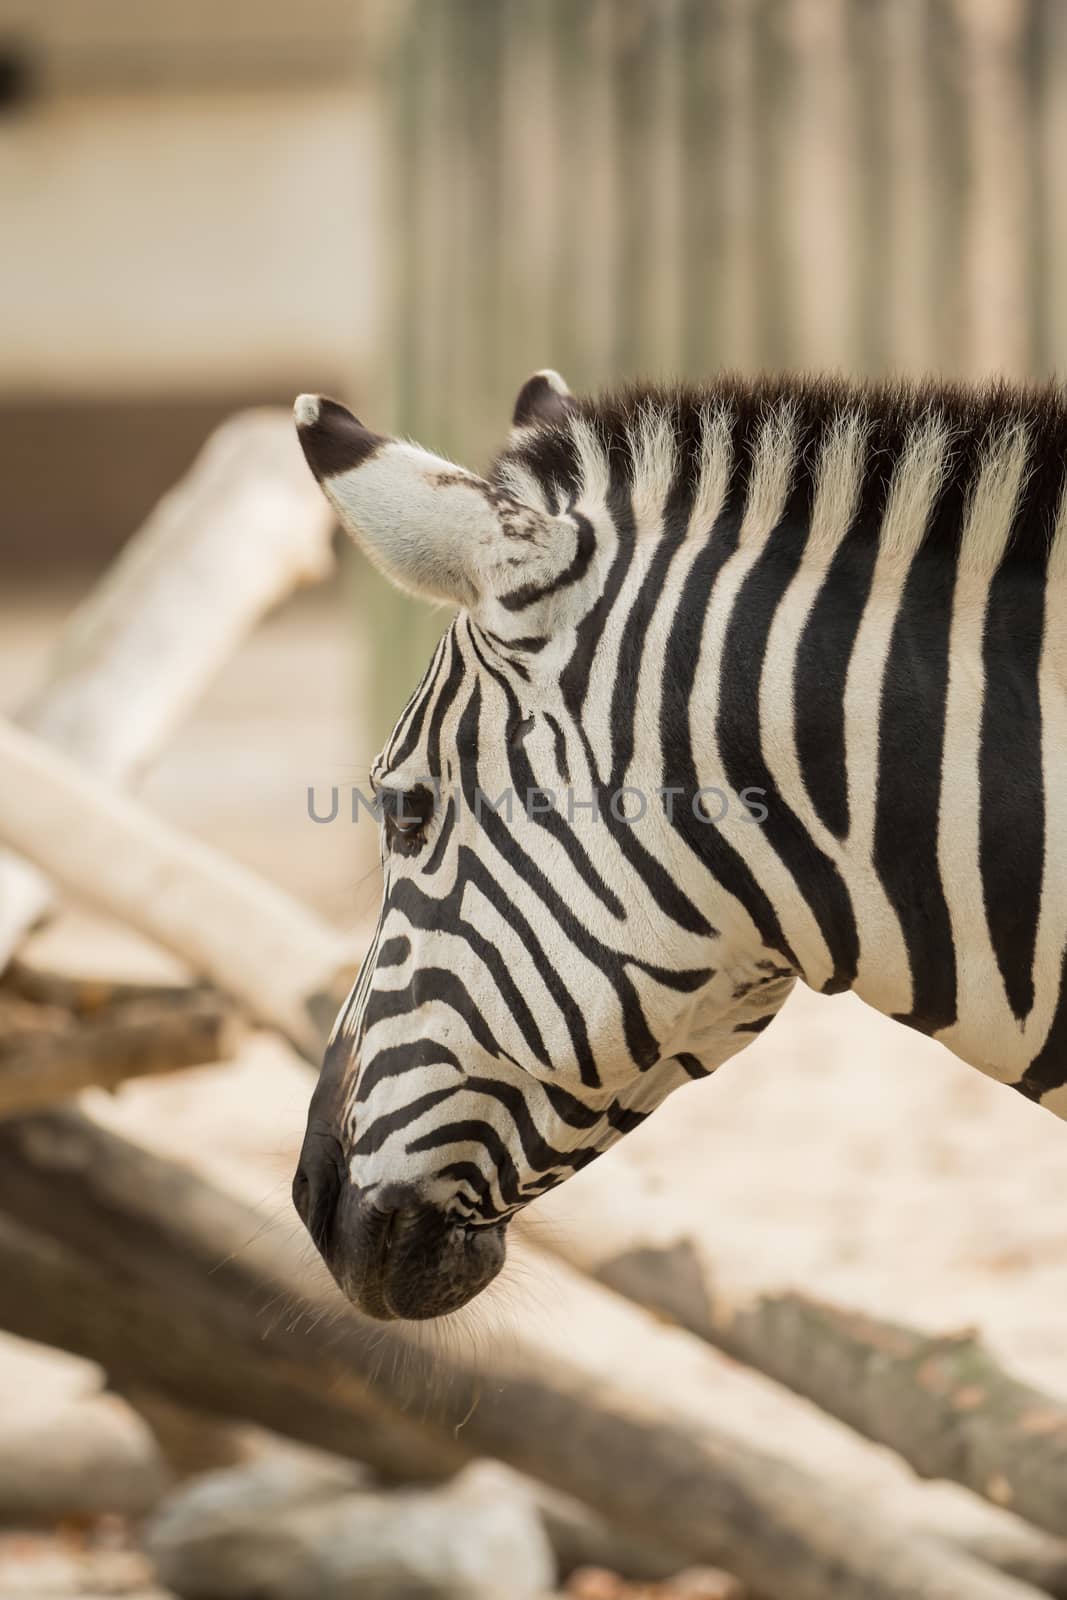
<point x="136" y="1263"/>
<point x="223" y="920"/>
<point x="243" y="528"/>
<point x="191" y="1442"/>
<point x="1034" y="1558"/>
<point x="171" y="1304"/>
<point x="580" y="1539"/>
<point x="941" y="1401"/>
<point x="81" y="996"/>
<point x="49" y="1052"/>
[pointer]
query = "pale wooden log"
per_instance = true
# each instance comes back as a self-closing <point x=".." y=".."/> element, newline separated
<point x="229" y="925"/>
<point x="243" y="528"/>
<point x="175" y="1286"/>
<point x="582" y="1539"/>
<point x="191" y="1441"/>
<point x="135" y="1262"/>
<point x="43" y="1062"/>
<point x="942" y="1402"/>
<point x="1032" y="1557"/>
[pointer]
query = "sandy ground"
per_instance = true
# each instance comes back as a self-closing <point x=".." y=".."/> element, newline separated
<point x="840" y="1153"/>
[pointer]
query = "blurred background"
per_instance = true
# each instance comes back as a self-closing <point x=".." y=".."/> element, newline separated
<point x="413" y="204"/>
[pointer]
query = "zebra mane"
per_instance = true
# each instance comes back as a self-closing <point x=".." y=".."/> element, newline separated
<point x="979" y="471"/>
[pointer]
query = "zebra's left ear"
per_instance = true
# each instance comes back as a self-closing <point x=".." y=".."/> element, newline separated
<point x="544" y="398"/>
<point x="435" y="529"/>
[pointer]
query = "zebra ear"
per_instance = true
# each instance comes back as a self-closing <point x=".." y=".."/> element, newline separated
<point x="544" y="398"/>
<point x="435" y="529"/>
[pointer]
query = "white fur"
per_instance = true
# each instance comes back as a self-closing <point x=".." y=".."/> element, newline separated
<point x="1057" y="559"/>
<point x="773" y="461"/>
<point x="654" y="453"/>
<point x="993" y="502"/>
<point x="593" y="473"/>
<point x="555" y="382"/>
<point x="306" y="410"/>
<point x="913" y="492"/>
<point x="716" y="459"/>
<point x="438" y="530"/>
<point x="838" y="482"/>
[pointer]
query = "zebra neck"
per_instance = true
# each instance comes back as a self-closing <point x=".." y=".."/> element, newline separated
<point x="899" y="721"/>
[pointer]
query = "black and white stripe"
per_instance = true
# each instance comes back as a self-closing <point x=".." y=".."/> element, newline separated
<point x="851" y="600"/>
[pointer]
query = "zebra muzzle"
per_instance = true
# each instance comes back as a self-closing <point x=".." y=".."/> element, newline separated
<point x="395" y="1256"/>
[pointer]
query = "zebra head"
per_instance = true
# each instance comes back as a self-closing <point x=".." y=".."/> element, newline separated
<point x="548" y="963"/>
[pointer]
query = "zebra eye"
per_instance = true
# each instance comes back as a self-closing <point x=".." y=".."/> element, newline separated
<point x="406" y="813"/>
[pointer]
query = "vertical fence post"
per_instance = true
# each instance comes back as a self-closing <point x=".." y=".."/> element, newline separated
<point x="997" y="236"/>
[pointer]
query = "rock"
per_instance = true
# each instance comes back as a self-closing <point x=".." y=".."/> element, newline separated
<point x="285" y="1479"/>
<point x="258" y="1533"/>
<point x="90" y="1458"/>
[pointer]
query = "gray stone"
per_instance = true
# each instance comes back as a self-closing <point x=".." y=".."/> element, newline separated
<point x="258" y="1534"/>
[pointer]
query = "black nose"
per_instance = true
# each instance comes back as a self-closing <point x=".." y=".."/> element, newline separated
<point x="392" y="1252"/>
<point x="317" y="1185"/>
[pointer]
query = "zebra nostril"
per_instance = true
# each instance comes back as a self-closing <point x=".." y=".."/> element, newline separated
<point x="317" y="1187"/>
<point x="302" y="1194"/>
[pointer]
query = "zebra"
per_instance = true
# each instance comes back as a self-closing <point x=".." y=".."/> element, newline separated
<point x="782" y="663"/>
